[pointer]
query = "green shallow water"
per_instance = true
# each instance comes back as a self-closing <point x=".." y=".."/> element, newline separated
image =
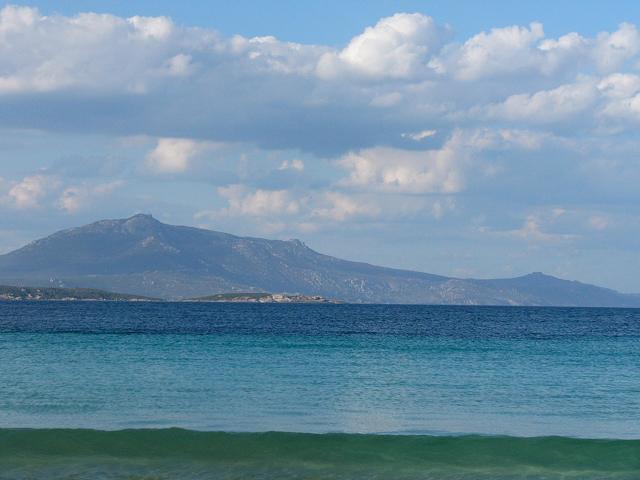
<point x="186" y="454"/>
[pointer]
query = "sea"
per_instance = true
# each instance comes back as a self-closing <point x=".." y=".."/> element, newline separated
<point x="126" y="390"/>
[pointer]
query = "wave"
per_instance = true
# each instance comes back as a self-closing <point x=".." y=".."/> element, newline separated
<point x="185" y="454"/>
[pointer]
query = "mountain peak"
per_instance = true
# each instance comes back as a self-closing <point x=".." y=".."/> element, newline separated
<point x="140" y="222"/>
<point x="537" y="275"/>
<point x="297" y="242"/>
<point x="143" y="256"/>
<point x="141" y="218"/>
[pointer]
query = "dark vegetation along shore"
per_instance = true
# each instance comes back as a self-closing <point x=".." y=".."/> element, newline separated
<point x="79" y="294"/>
<point x="54" y="293"/>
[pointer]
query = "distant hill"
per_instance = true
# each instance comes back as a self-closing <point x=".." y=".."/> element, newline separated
<point x="52" y="293"/>
<point x="143" y="256"/>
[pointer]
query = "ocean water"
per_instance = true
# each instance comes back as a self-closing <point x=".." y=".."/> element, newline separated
<point x="191" y="390"/>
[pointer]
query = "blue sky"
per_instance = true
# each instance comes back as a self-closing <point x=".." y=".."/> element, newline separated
<point x="482" y="139"/>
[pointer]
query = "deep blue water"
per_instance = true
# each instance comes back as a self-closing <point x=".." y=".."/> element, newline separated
<point x="366" y="369"/>
<point x="319" y="320"/>
<point x="321" y="368"/>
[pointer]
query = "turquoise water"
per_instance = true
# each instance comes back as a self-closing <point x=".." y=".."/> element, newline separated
<point x="448" y="383"/>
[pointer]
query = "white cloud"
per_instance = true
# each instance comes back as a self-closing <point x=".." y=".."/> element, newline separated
<point x="79" y="197"/>
<point x="269" y="54"/>
<point x="241" y="201"/>
<point x="407" y="171"/>
<point x="131" y="73"/>
<point x="396" y="47"/>
<point x="519" y="51"/>
<point x="598" y="222"/>
<point x="340" y="207"/>
<point x="532" y="230"/>
<point x="173" y="155"/>
<point x="547" y="105"/>
<point x="28" y="193"/>
<point x="441" y="170"/>
<point x="611" y="50"/>
<point x="14" y="18"/>
<point x="295" y="164"/>
<point x="622" y="97"/>
<point x="567" y="51"/>
<point x="91" y="51"/>
<point x="500" y="51"/>
<point x="419" y="136"/>
<point x="155" y="28"/>
<point x="619" y="85"/>
<point x="272" y="211"/>
<point x="49" y="191"/>
<point x="180" y="65"/>
<point x="535" y="228"/>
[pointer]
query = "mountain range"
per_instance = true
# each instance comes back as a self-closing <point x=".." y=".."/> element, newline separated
<point x="142" y="256"/>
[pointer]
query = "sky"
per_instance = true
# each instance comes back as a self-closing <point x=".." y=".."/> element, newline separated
<point x="470" y="139"/>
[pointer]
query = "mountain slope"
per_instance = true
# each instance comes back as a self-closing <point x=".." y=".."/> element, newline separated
<point x="143" y="256"/>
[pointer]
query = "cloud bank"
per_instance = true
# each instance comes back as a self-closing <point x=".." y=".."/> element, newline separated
<point x="147" y="75"/>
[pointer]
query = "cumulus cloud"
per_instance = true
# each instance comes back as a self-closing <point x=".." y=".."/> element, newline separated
<point x="619" y="85"/>
<point x="532" y="230"/>
<point x="258" y="203"/>
<point x="150" y="76"/>
<point x="340" y="207"/>
<point x="152" y="28"/>
<point x="407" y="171"/>
<point x="612" y="49"/>
<point x="545" y="106"/>
<point x="621" y="94"/>
<point x="268" y="54"/>
<point x="295" y="164"/>
<point x="28" y="192"/>
<point x="173" y="155"/>
<point x="43" y="190"/>
<point x="274" y="211"/>
<point x="500" y="51"/>
<point x="180" y="65"/>
<point x="396" y="47"/>
<point x="442" y="170"/>
<point x="79" y="197"/>
<point x="538" y="227"/>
